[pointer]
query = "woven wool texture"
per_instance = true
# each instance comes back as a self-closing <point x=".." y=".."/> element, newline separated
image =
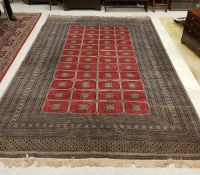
<point x="13" y="36"/>
<point x="98" y="87"/>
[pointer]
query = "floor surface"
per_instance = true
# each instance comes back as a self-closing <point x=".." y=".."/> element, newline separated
<point x="175" y="30"/>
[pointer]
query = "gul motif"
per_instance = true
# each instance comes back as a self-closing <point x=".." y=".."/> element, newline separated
<point x="97" y="73"/>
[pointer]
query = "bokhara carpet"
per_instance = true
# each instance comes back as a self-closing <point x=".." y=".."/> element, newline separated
<point x="13" y="37"/>
<point x="98" y="87"/>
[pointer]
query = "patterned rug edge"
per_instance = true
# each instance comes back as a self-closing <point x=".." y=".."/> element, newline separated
<point x="21" y="45"/>
<point x="94" y="154"/>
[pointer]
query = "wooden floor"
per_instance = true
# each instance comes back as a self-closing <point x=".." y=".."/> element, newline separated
<point x="175" y="30"/>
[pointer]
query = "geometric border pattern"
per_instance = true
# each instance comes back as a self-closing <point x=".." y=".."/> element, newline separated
<point x="170" y="129"/>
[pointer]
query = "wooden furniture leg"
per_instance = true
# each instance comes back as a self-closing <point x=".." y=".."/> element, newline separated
<point x="105" y="5"/>
<point x="163" y="4"/>
<point x="154" y="5"/>
<point x="167" y="4"/>
<point x="50" y="5"/>
<point x="146" y="6"/>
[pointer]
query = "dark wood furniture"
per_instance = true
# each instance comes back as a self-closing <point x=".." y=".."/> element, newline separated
<point x="82" y="4"/>
<point x="51" y="2"/>
<point x="160" y="3"/>
<point x="123" y="2"/>
<point x="183" y="4"/>
<point x="191" y="32"/>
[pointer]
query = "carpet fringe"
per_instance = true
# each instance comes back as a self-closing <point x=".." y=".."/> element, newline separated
<point x="40" y="162"/>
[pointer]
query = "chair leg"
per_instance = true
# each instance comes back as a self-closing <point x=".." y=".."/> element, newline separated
<point x="167" y="4"/>
<point x="50" y="5"/>
<point x="154" y="5"/>
<point x="105" y="5"/>
<point x="146" y="6"/>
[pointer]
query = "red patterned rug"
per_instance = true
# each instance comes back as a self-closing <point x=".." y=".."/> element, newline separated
<point x="97" y="73"/>
<point x="98" y="87"/>
<point x="13" y="37"/>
